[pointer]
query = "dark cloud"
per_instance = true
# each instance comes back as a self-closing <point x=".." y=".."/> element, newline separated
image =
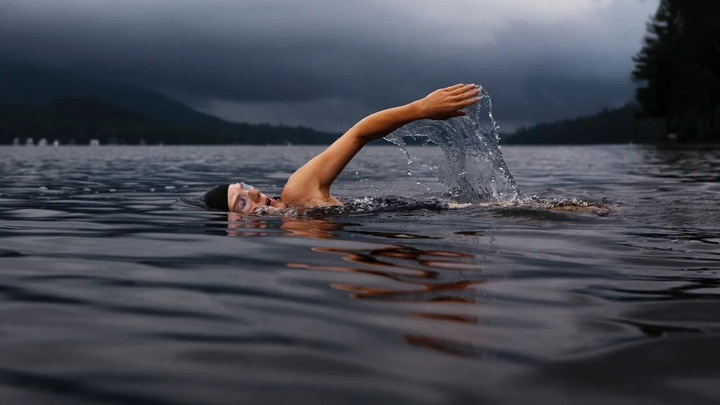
<point x="325" y="63"/>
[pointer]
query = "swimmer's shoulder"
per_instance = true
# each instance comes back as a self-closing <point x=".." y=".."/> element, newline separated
<point x="314" y="202"/>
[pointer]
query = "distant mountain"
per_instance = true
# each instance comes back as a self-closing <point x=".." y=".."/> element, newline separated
<point x="617" y="125"/>
<point x="79" y="120"/>
<point x="32" y="84"/>
<point x="27" y="84"/>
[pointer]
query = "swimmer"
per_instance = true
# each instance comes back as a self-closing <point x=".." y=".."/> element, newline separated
<point x="309" y="186"/>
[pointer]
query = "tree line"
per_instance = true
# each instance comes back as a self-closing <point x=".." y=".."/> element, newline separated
<point x="678" y="69"/>
<point x="678" y="96"/>
<point x="78" y="120"/>
<point x="617" y="125"/>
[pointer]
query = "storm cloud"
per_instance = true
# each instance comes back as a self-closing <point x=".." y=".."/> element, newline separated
<point x="326" y="63"/>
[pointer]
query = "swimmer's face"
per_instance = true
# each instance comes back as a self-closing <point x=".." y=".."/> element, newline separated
<point x="245" y="199"/>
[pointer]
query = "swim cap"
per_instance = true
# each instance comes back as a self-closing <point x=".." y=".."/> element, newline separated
<point x="217" y="197"/>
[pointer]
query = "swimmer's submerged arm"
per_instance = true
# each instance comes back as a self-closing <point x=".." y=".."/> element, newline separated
<point x="313" y="180"/>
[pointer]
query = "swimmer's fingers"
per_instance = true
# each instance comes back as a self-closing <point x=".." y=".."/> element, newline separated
<point x="468" y="102"/>
<point x="457" y="110"/>
<point x="465" y="100"/>
<point x="448" y="102"/>
<point x="459" y="90"/>
<point x="455" y="87"/>
<point x="466" y="92"/>
<point x="462" y="89"/>
<point x="465" y="95"/>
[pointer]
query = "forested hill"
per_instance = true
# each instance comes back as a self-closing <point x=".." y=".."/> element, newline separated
<point x="609" y="126"/>
<point x="80" y="119"/>
<point x="34" y="93"/>
<point x="21" y="83"/>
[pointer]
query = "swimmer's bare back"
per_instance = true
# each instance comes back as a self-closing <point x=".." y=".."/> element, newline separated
<point x="567" y="206"/>
<point x="598" y="210"/>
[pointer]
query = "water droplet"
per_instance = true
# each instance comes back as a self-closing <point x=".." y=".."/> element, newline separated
<point x="472" y="156"/>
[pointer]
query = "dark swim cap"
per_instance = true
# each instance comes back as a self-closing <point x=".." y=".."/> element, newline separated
<point x="217" y="197"/>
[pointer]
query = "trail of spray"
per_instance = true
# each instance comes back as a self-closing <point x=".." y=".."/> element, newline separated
<point x="473" y="168"/>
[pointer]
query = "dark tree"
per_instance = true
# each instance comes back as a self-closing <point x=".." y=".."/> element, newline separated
<point x="679" y="69"/>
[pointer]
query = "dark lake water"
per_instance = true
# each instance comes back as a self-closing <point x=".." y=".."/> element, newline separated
<point x="115" y="289"/>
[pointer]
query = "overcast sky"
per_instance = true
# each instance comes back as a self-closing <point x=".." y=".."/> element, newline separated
<point x="327" y="63"/>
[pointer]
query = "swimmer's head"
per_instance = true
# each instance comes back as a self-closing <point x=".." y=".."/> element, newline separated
<point x="216" y="197"/>
<point x="239" y="197"/>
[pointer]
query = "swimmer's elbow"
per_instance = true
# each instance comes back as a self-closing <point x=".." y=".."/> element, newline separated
<point x="356" y="137"/>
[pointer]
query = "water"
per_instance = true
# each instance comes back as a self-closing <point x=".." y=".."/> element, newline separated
<point x="472" y="166"/>
<point x="116" y="290"/>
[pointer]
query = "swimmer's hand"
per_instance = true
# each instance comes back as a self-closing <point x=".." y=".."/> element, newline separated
<point x="447" y="103"/>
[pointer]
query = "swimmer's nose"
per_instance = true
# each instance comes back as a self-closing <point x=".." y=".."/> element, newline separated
<point x="254" y="195"/>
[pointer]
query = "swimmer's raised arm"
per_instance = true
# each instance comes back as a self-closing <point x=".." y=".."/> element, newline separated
<point x="310" y="185"/>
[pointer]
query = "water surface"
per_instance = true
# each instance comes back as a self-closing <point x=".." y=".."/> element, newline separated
<point x="116" y="290"/>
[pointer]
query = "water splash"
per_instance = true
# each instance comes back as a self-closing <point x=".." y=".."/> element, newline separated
<point x="358" y="206"/>
<point x="473" y="168"/>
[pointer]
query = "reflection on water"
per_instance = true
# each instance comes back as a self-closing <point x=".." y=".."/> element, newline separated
<point x="684" y="163"/>
<point x="417" y="276"/>
<point x="438" y="277"/>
